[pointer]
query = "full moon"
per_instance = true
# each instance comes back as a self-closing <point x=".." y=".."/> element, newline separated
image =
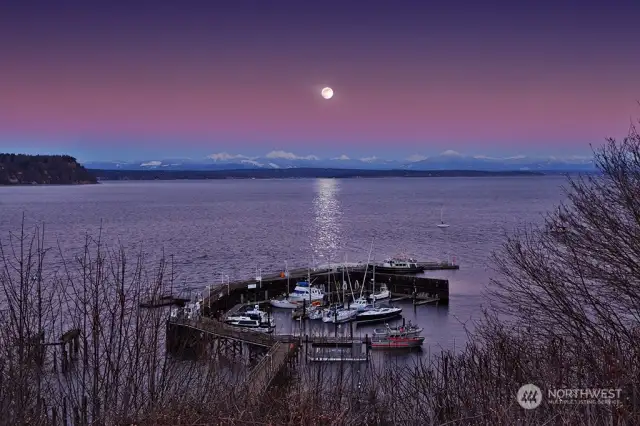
<point x="327" y="93"/>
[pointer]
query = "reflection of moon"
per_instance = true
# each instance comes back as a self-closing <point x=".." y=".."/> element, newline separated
<point x="327" y="93"/>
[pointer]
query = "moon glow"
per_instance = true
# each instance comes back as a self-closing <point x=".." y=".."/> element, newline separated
<point x="327" y="93"/>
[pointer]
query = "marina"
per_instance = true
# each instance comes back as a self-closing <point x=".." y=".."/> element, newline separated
<point x="238" y="318"/>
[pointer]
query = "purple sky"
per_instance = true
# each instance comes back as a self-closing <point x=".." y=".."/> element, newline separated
<point x="143" y="79"/>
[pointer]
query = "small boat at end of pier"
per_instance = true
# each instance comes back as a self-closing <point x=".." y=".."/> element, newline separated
<point x="399" y="265"/>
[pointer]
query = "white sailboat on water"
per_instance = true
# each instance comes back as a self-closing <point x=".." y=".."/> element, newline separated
<point x="339" y="314"/>
<point x="442" y="224"/>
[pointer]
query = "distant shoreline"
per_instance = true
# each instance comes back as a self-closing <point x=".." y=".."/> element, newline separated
<point x="293" y="173"/>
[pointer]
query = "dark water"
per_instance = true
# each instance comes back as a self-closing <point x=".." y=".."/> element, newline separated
<point x="232" y="227"/>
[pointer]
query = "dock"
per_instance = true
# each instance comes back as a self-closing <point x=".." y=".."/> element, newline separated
<point x="274" y="356"/>
<point x="218" y="298"/>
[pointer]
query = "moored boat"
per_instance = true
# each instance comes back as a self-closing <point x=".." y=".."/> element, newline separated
<point x="399" y="265"/>
<point x="382" y="294"/>
<point x="284" y="303"/>
<point x="304" y="292"/>
<point x="378" y="314"/>
<point x="397" y="342"/>
<point x="252" y="319"/>
<point x="408" y="330"/>
<point x="339" y="315"/>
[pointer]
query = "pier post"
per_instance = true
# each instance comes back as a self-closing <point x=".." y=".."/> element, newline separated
<point x="367" y="345"/>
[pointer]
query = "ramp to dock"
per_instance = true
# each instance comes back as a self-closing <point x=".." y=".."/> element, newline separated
<point x="267" y="369"/>
<point x="217" y="328"/>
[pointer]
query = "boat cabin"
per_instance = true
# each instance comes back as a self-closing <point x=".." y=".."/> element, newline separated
<point x="400" y="263"/>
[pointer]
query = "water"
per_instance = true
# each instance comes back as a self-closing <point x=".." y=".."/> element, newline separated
<point x="233" y="227"/>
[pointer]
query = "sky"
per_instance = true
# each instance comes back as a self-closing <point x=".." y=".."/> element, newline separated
<point x="106" y="80"/>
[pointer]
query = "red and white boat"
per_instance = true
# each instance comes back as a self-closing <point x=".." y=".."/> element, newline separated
<point x="396" y="342"/>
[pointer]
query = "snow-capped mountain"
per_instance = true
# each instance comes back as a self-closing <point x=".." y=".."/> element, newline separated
<point x="448" y="160"/>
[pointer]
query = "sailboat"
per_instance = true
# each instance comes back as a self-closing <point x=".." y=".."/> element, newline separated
<point x="442" y="224"/>
<point x="339" y="314"/>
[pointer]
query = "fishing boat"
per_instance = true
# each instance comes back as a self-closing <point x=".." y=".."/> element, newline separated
<point x="252" y="319"/>
<point x="408" y="330"/>
<point x="399" y="265"/>
<point x="397" y="342"/>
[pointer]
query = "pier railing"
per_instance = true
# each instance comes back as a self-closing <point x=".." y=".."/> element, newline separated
<point x="217" y="328"/>
<point x="263" y="373"/>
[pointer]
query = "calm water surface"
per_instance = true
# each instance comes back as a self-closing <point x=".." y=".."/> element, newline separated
<point x="231" y="227"/>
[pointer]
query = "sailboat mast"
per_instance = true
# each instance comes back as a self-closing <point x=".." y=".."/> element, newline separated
<point x="366" y="269"/>
<point x="286" y="271"/>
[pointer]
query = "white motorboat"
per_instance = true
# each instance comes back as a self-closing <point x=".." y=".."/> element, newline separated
<point x="304" y="292"/>
<point x="284" y="303"/>
<point x="360" y="304"/>
<point x="253" y="319"/>
<point x="383" y="293"/>
<point x="399" y="265"/>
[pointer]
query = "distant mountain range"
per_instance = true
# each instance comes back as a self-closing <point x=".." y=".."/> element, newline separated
<point x="448" y="160"/>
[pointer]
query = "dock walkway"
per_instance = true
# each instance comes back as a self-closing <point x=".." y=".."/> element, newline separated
<point x="220" y="329"/>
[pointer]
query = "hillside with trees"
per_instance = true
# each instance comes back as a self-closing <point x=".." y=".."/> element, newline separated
<point x="21" y="169"/>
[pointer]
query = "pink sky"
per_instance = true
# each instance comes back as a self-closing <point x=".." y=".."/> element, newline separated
<point x="477" y="95"/>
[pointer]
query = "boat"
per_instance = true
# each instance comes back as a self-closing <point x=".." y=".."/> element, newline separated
<point x="442" y="224"/>
<point x="339" y="315"/>
<point x="304" y="292"/>
<point x="403" y="330"/>
<point x="397" y="342"/>
<point x="383" y="293"/>
<point x="284" y="303"/>
<point x="252" y="319"/>
<point x="378" y="314"/>
<point x="399" y="265"/>
<point x="315" y="313"/>
<point x="360" y="304"/>
<point x="305" y="310"/>
<point x="559" y="227"/>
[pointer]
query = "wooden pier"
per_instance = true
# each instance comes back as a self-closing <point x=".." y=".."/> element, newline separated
<point x="276" y="352"/>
